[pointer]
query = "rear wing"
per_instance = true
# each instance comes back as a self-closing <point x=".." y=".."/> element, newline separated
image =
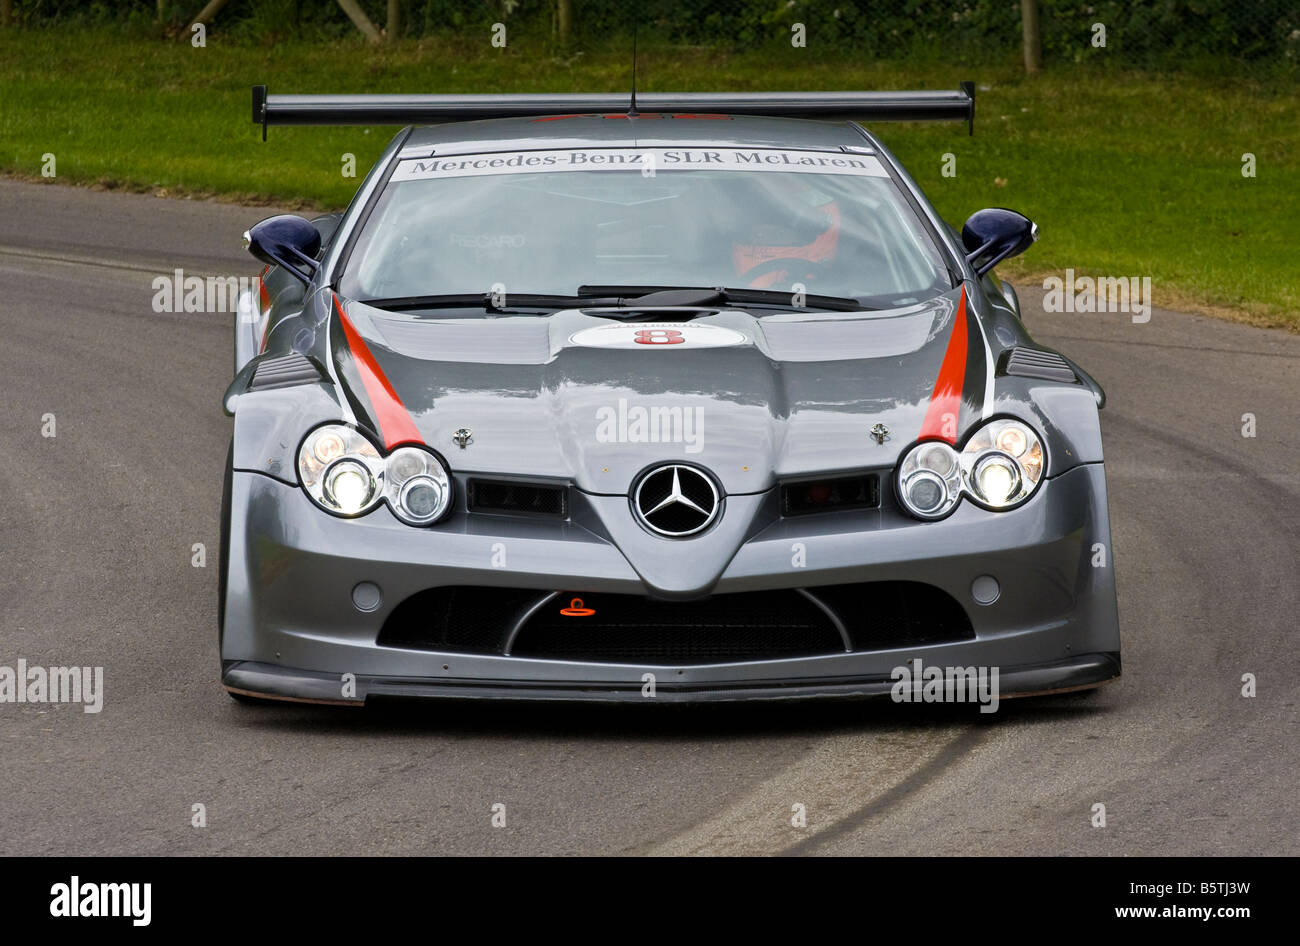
<point x="269" y="109"/>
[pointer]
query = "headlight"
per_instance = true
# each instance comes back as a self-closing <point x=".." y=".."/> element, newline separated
<point x="929" y="479"/>
<point x="1003" y="461"/>
<point x="345" y="474"/>
<point x="417" y="488"/>
<point x="999" y="467"/>
<point x="341" y="470"/>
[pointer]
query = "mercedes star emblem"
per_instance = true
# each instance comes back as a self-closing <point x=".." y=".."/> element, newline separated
<point x="676" y="500"/>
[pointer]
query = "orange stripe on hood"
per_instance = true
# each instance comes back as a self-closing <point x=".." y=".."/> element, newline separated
<point x="944" y="413"/>
<point x="395" y="423"/>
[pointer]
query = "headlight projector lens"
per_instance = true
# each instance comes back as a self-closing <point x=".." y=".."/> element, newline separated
<point x="349" y="486"/>
<point x="1012" y="440"/>
<point x="925" y="492"/>
<point x="422" y="498"/>
<point x="997" y="479"/>
<point x="328" y="447"/>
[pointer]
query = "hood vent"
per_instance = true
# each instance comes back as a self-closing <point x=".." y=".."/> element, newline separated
<point x="832" y="338"/>
<point x="503" y="341"/>
<point x="283" y="371"/>
<point x="1044" y="365"/>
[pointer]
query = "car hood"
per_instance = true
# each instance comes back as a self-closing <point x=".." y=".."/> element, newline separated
<point x="595" y="400"/>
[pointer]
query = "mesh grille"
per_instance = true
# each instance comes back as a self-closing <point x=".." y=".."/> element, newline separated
<point x="882" y="614"/>
<point x="755" y="625"/>
<point x="468" y="619"/>
<point x="749" y="626"/>
<point x="502" y="496"/>
<point x="847" y="492"/>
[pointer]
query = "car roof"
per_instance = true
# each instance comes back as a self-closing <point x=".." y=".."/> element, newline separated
<point x="647" y="130"/>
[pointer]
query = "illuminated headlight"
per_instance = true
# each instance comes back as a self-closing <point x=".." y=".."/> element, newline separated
<point x="1003" y="461"/>
<point x="996" y="479"/>
<point x="929" y="479"/>
<point x="344" y="473"/>
<point x="341" y="470"/>
<point x="348" y="487"/>
<point x="999" y="467"/>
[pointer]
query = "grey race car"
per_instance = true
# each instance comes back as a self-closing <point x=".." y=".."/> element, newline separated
<point x="692" y="400"/>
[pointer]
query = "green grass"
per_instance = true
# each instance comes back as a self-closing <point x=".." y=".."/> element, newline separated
<point x="1127" y="174"/>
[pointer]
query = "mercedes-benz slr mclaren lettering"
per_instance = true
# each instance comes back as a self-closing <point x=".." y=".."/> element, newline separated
<point x="697" y="399"/>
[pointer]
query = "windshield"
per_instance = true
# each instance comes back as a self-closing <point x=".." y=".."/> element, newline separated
<point x="826" y="223"/>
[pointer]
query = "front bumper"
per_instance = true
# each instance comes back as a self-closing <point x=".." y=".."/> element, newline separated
<point x="292" y="630"/>
<point x="268" y="681"/>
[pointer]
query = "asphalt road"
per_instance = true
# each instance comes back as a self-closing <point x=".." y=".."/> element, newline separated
<point x="96" y="568"/>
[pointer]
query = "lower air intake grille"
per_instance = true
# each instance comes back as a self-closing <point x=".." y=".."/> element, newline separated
<point x="1031" y="363"/>
<point x="628" y="628"/>
<point x="473" y="620"/>
<point x="502" y="496"/>
<point x="283" y="371"/>
<point x="882" y="614"/>
<point x="615" y="628"/>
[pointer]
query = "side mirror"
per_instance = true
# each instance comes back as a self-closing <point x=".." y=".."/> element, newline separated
<point x="994" y="234"/>
<point x="288" y="241"/>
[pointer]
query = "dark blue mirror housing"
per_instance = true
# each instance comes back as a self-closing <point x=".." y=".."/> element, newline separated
<point x="994" y="234"/>
<point x="286" y="240"/>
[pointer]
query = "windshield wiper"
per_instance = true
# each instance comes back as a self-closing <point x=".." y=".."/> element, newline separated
<point x="514" y="303"/>
<point x="644" y="297"/>
<point x="637" y="299"/>
<point x="485" y="300"/>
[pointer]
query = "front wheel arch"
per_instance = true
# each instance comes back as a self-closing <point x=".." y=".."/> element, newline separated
<point x="223" y="567"/>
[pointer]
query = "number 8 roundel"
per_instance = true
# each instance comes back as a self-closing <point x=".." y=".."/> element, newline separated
<point x="659" y="336"/>
<point x="665" y="335"/>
